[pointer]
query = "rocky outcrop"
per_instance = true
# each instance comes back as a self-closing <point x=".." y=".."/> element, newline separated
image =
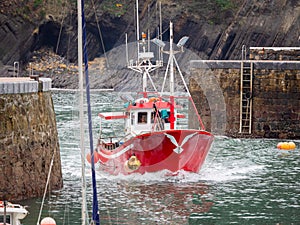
<point x="217" y="29"/>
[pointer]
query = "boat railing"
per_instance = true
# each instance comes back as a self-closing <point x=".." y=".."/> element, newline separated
<point x="158" y="124"/>
<point x="112" y="144"/>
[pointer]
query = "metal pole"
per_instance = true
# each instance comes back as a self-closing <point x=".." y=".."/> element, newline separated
<point x="81" y="113"/>
<point x="4" y="216"/>
<point x="126" y="41"/>
<point x="137" y="21"/>
<point x="16" y="69"/>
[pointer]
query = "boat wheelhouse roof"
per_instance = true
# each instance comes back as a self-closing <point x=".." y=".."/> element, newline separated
<point x="13" y="208"/>
<point x="113" y="115"/>
<point x="150" y="105"/>
<point x="137" y="107"/>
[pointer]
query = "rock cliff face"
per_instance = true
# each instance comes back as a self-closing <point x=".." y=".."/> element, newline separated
<point x="217" y="29"/>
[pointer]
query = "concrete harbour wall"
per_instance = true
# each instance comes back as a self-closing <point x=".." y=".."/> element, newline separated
<point x="28" y="138"/>
<point x="216" y="86"/>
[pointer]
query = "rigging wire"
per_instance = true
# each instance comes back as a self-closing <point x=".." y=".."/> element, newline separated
<point x="61" y="26"/>
<point x="100" y="34"/>
<point x="45" y="192"/>
<point x="69" y="37"/>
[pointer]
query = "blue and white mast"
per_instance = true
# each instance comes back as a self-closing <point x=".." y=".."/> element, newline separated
<point x="83" y="55"/>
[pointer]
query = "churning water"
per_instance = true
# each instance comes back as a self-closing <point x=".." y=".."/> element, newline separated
<point x="243" y="181"/>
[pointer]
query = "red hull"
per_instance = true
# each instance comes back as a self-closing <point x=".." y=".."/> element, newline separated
<point x="171" y="150"/>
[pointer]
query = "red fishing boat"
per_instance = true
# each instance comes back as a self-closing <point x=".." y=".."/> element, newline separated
<point x="152" y="140"/>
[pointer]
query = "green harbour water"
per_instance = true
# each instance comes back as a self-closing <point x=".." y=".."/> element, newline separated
<point x="243" y="181"/>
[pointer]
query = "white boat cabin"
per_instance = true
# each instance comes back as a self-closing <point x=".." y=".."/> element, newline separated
<point x="144" y="116"/>
<point x="146" y="120"/>
<point x="13" y="213"/>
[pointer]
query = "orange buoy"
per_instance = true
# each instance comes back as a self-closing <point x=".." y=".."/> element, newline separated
<point x="144" y="36"/>
<point x="48" y="221"/>
<point x="153" y="99"/>
<point x="89" y="158"/>
<point x="286" y="145"/>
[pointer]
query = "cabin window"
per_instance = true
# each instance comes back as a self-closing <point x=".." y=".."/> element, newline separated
<point x="142" y="117"/>
<point x="7" y="219"/>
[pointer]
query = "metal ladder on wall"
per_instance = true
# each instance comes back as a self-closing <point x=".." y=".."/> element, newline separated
<point x="246" y="94"/>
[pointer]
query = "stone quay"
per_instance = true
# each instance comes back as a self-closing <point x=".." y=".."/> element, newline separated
<point x="28" y="138"/>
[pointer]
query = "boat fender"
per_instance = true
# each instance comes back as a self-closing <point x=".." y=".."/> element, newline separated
<point x="48" y="221"/>
<point x="132" y="164"/>
<point x="96" y="157"/>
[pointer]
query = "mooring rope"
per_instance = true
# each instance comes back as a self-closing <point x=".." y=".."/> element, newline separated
<point x="47" y="183"/>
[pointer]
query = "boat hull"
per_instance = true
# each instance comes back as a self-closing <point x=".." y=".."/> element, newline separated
<point x="171" y="150"/>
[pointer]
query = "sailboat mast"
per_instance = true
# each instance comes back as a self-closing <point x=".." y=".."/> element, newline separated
<point x="81" y="113"/>
<point x="95" y="214"/>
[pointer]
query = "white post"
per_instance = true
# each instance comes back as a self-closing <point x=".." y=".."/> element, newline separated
<point x="126" y="48"/>
<point x="16" y="69"/>
<point x="81" y="113"/>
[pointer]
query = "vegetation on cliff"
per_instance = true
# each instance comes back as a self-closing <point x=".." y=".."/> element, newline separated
<point x="217" y="28"/>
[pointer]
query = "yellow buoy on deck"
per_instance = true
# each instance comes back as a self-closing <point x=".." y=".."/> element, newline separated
<point x="286" y="145"/>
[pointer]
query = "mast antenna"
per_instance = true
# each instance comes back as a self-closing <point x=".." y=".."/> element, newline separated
<point x="137" y="21"/>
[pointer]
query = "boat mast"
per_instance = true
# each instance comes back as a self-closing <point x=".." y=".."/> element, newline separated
<point x="137" y="21"/>
<point x="81" y="113"/>
<point x="172" y="100"/>
<point x="95" y="214"/>
<point x="160" y="32"/>
<point x="144" y="87"/>
<point x="143" y="63"/>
